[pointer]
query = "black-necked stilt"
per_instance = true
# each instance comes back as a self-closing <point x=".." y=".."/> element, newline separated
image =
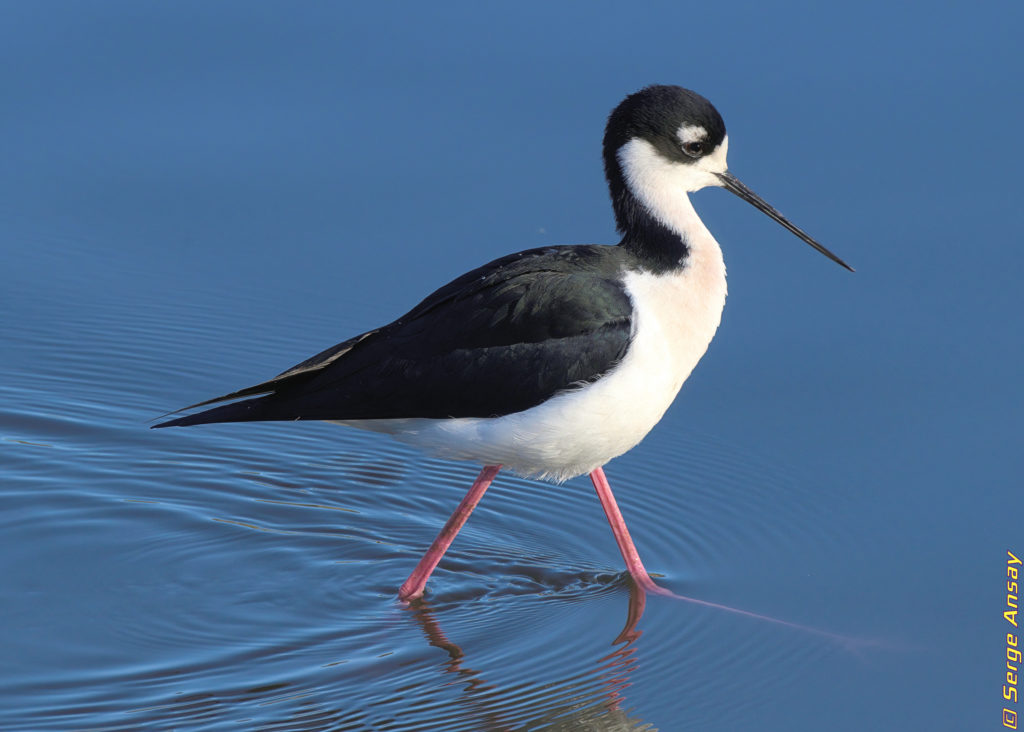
<point x="552" y="361"/>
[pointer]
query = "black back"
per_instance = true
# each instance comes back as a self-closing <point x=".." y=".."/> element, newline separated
<point x="499" y="339"/>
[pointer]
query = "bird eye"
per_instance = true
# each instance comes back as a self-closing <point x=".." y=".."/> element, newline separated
<point x="694" y="149"/>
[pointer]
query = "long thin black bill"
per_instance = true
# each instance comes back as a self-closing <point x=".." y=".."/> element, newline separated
<point x="733" y="184"/>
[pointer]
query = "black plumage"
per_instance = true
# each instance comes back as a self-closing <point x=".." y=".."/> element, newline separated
<point x="500" y="339"/>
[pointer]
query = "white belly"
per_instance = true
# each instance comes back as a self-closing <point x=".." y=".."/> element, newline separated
<point x="675" y="318"/>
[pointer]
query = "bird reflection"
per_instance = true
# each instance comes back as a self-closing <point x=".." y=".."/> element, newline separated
<point x="592" y="701"/>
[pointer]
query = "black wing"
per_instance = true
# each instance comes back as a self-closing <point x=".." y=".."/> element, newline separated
<point x="497" y="340"/>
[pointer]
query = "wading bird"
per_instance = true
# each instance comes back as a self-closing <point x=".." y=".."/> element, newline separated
<point x="552" y="361"/>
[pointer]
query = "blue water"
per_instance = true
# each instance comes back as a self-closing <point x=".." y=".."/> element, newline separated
<point x="195" y="196"/>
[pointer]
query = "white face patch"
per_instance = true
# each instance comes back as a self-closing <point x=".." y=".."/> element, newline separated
<point x="715" y="162"/>
<point x="691" y="133"/>
<point x="657" y="180"/>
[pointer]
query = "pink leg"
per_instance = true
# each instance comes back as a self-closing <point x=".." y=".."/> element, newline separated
<point x="618" y="524"/>
<point x="413" y="587"/>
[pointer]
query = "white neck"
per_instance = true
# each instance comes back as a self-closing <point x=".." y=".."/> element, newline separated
<point x="661" y="187"/>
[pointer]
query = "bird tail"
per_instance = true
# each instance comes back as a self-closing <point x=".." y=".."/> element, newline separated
<point x="270" y="402"/>
<point x="250" y="410"/>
